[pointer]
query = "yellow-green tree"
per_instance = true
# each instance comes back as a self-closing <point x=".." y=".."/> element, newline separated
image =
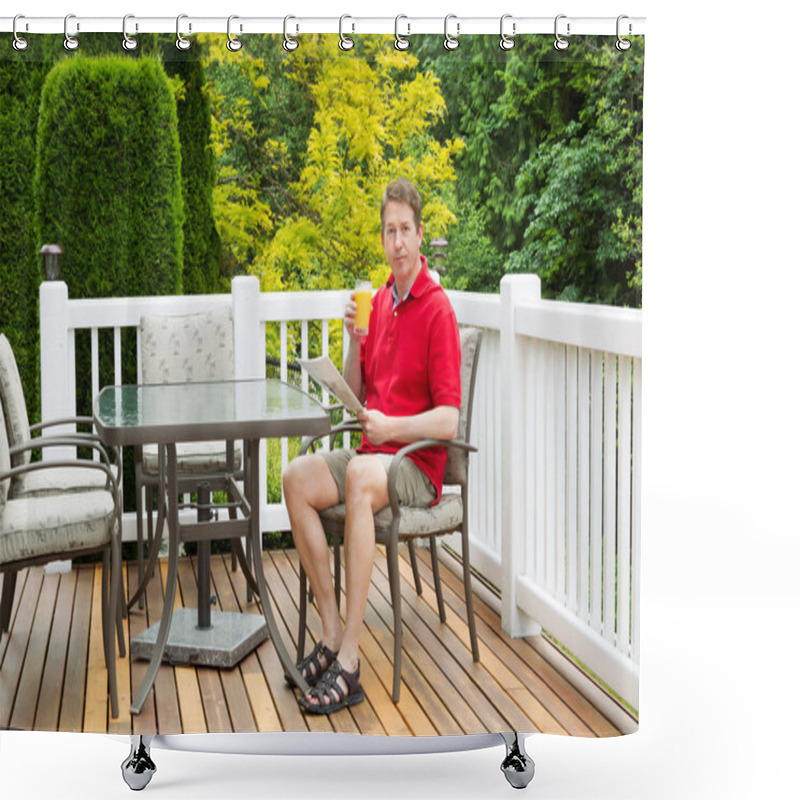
<point x="373" y="114"/>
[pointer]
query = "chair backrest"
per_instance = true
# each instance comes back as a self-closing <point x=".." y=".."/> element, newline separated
<point x="189" y="348"/>
<point x="455" y="471"/>
<point x="16" y="425"/>
<point x="5" y="460"/>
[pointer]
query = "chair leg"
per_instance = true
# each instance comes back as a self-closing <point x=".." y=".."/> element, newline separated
<point x="301" y="626"/>
<point x="394" y="587"/>
<point x="412" y="557"/>
<point x="337" y="569"/>
<point x="232" y="515"/>
<point x="473" y="635"/>
<point x="140" y="539"/>
<point x="7" y="601"/>
<point x="437" y="581"/>
<point x="117" y="598"/>
<point x="110" y="602"/>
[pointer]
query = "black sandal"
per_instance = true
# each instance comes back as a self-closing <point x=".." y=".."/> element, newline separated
<point x="328" y="688"/>
<point x="312" y="660"/>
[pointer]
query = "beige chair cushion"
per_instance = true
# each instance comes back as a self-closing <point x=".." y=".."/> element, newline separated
<point x="55" y="525"/>
<point x="189" y="348"/>
<point x="13" y="398"/>
<point x="58" y="480"/>
<point x="444" y="517"/>
<point x="194" y="457"/>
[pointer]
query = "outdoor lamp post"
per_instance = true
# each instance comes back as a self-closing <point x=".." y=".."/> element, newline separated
<point x="439" y="246"/>
<point x="51" y="255"/>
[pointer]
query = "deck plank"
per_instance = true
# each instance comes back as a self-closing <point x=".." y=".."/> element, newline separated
<point x="31" y="676"/>
<point x="95" y="708"/>
<point x="553" y="690"/>
<point x="190" y="698"/>
<point x="71" y="717"/>
<point x="261" y="704"/>
<point x="456" y="688"/>
<point x="520" y="709"/>
<point x="416" y="720"/>
<point x="49" y="705"/>
<point x="18" y="635"/>
<point x="123" y="725"/>
<point x="55" y="652"/>
<point x="5" y="637"/>
<point x="136" y="623"/>
<point x="358" y="719"/>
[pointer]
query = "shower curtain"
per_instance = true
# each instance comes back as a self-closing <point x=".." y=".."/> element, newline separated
<point x="166" y="171"/>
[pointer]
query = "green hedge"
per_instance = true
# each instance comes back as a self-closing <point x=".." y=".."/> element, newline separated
<point x="108" y="184"/>
<point x="20" y="268"/>
<point x="201" y="244"/>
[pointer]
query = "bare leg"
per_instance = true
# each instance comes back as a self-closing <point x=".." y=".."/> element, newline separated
<point x="308" y="486"/>
<point x="366" y="491"/>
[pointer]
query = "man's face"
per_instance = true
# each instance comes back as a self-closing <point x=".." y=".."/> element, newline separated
<point x="401" y="240"/>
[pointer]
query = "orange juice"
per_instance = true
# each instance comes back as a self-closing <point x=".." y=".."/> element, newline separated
<point x="363" y="307"/>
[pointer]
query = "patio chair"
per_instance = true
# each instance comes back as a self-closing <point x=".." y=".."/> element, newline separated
<point x="189" y="348"/>
<point x="56" y="480"/>
<point x="36" y="530"/>
<point x="20" y="432"/>
<point x="395" y="523"/>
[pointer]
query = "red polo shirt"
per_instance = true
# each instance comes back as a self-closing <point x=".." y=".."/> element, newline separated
<point x="411" y="362"/>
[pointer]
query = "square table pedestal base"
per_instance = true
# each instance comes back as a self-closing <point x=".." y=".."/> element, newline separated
<point x="229" y="639"/>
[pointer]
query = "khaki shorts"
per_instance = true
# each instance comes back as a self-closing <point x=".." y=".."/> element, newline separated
<point x="414" y="487"/>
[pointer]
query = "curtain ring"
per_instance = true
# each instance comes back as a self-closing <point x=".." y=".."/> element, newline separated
<point x="345" y="42"/>
<point x="507" y="42"/>
<point x="182" y="43"/>
<point x="70" y="42"/>
<point x="561" y="43"/>
<point x="234" y="44"/>
<point x="451" y="42"/>
<point x="19" y="43"/>
<point x="128" y="42"/>
<point x="622" y="44"/>
<point x="400" y="42"/>
<point x="289" y="44"/>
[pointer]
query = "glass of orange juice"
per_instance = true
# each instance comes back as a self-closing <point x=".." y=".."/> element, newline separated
<point x="363" y="307"/>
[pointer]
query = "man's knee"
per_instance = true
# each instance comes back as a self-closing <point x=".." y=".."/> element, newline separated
<point x="365" y="480"/>
<point x="308" y="479"/>
<point x="296" y="475"/>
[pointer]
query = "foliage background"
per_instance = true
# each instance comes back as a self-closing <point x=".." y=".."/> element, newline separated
<point x="528" y="161"/>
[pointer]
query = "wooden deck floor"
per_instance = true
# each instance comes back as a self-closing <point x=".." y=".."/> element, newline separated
<point x="52" y="675"/>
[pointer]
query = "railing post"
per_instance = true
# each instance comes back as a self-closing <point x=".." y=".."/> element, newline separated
<point x="516" y="484"/>
<point x="57" y="373"/>
<point x="249" y="344"/>
<point x="250" y="355"/>
<point x="57" y="363"/>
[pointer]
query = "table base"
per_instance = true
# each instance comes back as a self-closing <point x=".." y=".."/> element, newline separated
<point x="229" y="639"/>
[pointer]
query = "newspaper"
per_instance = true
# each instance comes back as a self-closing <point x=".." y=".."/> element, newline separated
<point x="324" y="372"/>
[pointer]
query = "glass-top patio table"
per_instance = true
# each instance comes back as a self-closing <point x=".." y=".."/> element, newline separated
<point x="165" y="414"/>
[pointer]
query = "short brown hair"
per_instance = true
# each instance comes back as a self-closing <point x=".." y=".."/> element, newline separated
<point x="401" y="190"/>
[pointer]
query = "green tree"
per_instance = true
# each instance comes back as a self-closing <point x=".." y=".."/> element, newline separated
<point x="550" y="176"/>
<point x="372" y="122"/>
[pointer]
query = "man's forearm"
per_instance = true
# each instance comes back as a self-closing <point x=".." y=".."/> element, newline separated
<point x="438" y="423"/>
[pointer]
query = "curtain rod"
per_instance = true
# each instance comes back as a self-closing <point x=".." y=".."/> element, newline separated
<point x="453" y="25"/>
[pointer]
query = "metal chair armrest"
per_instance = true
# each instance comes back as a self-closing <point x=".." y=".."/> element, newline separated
<point x="62" y="421"/>
<point x="81" y="463"/>
<point x="353" y="427"/>
<point x="66" y="441"/>
<point x="410" y="448"/>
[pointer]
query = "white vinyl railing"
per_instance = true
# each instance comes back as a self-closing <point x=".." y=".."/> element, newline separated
<point x="555" y="485"/>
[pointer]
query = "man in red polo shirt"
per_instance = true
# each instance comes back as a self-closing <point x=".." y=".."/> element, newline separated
<point x="407" y="373"/>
